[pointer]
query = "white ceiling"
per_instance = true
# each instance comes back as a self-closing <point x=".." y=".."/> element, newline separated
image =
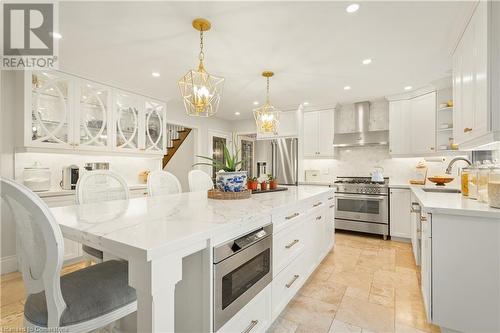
<point x="315" y="48"/>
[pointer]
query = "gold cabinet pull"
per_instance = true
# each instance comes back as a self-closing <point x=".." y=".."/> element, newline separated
<point x="295" y="241"/>
<point x="467" y="129"/>
<point x="289" y="217"/>
<point x="250" y="327"/>
<point x="289" y="284"/>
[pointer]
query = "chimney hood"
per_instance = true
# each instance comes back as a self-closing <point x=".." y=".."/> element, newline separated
<point x="361" y="136"/>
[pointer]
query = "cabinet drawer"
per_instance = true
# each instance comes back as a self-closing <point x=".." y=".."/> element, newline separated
<point x="139" y="193"/>
<point x="283" y="219"/>
<point x="254" y="317"/>
<point x="318" y="204"/>
<point x="287" y="283"/>
<point x="287" y="245"/>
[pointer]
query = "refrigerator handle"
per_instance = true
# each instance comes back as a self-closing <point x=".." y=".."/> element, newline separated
<point x="274" y="152"/>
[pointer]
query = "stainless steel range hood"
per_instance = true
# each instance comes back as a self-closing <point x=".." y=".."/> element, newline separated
<point x="361" y="136"/>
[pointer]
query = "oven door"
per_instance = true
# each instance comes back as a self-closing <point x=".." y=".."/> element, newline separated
<point x="359" y="207"/>
<point x="239" y="278"/>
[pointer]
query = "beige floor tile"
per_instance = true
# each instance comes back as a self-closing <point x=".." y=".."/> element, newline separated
<point x="282" y="325"/>
<point x="367" y="315"/>
<point x="352" y="278"/>
<point x="402" y="328"/>
<point x="341" y="327"/>
<point x="324" y="291"/>
<point x="359" y="293"/>
<point x="405" y="259"/>
<point x="311" y="315"/>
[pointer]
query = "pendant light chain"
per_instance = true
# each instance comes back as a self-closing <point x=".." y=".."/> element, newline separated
<point x="201" y="56"/>
<point x="267" y="89"/>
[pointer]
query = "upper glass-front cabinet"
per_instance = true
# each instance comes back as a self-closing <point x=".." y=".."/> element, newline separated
<point x="154" y="121"/>
<point x="50" y="121"/>
<point x="63" y="111"/>
<point x="127" y="121"/>
<point x="93" y="115"/>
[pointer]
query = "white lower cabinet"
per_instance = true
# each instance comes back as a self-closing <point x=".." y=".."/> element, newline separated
<point x="426" y="268"/>
<point x="287" y="245"/>
<point x="287" y="283"/>
<point x="400" y="218"/>
<point x="254" y="317"/>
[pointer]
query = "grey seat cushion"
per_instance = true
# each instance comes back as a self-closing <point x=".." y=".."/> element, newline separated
<point x="89" y="293"/>
<point x="93" y="252"/>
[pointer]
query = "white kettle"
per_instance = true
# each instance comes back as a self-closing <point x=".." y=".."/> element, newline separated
<point x="378" y="174"/>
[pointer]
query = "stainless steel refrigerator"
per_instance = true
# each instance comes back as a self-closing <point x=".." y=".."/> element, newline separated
<point x="278" y="157"/>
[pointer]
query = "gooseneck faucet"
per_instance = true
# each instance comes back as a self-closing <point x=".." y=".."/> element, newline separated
<point x="448" y="169"/>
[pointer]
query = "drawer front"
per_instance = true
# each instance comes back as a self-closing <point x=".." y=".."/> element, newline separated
<point x="287" y="245"/>
<point x="318" y="204"/>
<point x="286" y="284"/>
<point x="254" y="317"/>
<point x="283" y="219"/>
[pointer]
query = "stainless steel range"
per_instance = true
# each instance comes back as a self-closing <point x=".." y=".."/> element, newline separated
<point x="362" y="205"/>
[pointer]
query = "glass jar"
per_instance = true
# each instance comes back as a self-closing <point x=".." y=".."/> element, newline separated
<point x="482" y="182"/>
<point x="36" y="178"/>
<point x="494" y="186"/>
<point x="464" y="181"/>
<point x="472" y="180"/>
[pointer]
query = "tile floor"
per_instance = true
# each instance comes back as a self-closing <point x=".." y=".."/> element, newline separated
<point x="364" y="285"/>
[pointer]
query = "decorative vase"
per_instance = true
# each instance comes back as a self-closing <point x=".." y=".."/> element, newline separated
<point x="273" y="184"/>
<point x="263" y="186"/>
<point x="231" y="181"/>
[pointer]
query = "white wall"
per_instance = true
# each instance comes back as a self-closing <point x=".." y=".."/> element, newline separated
<point x="181" y="162"/>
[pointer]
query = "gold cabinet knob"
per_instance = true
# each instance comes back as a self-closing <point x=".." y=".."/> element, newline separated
<point x="467" y="129"/>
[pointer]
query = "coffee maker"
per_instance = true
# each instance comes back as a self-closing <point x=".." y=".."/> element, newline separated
<point x="70" y="175"/>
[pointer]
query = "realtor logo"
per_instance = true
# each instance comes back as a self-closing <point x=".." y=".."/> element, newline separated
<point x="28" y="41"/>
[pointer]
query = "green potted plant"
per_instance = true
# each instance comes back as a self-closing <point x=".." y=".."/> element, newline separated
<point x="273" y="183"/>
<point x="253" y="184"/>
<point x="229" y="178"/>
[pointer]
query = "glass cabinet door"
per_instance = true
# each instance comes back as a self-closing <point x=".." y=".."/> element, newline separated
<point x="93" y="115"/>
<point x="127" y="121"/>
<point x="50" y="112"/>
<point x="154" y="114"/>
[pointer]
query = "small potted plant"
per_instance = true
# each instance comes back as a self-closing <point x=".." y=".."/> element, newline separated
<point x="263" y="182"/>
<point x="229" y="178"/>
<point x="253" y="184"/>
<point x="273" y="183"/>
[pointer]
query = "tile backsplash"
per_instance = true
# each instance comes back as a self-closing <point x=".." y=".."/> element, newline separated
<point x="127" y="167"/>
<point x="360" y="161"/>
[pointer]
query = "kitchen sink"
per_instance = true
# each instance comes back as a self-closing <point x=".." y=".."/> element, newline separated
<point x="441" y="190"/>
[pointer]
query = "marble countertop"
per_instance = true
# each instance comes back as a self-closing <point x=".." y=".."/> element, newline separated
<point x="57" y="191"/>
<point x="453" y="203"/>
<point x="152" y="225"/>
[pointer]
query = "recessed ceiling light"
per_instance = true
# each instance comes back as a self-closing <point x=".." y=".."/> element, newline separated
<point x="305" y="103"/>
<point x="367" y="61"/>
<point x="256" y="103"/>
<point x="155" y="74"/>
<point x="347" y="88"/>
<point x="352" y="8"/>
<point x="56" y="35"/>
<point x="237" y="113"/>
<point x="408" y="88"/>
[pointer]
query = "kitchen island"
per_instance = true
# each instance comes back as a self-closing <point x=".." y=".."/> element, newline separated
<point x="169" y="240"/>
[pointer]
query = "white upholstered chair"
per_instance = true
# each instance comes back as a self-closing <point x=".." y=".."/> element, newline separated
<point x="99" y="186"/>
<point x="199" y="181"/>
<point x="163" y="183"/>
<point x="81" y="301"/>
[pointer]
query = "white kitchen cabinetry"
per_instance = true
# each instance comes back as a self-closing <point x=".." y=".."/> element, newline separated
<point x="474" y="79"/>
<point x="318" y="133"/>
<point x="253" y="317"/>
<point x="399" y="124"/>
<point x="400" y="219"/>
<point x="426" y="267"/>
<point x="66" y="112"/>
<point x="415" y="228"/>
<point x="412" y="126"/>
<point x="423" y="124"/>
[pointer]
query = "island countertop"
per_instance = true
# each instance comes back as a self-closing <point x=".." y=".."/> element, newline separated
<point x="153" y="225"/>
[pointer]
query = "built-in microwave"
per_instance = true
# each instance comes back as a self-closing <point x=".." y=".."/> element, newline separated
<point x="242" y="268"/>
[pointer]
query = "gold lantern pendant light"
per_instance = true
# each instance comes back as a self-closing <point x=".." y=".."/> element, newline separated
<point x="267" y="116"/>
<point x="201" y="91"/>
